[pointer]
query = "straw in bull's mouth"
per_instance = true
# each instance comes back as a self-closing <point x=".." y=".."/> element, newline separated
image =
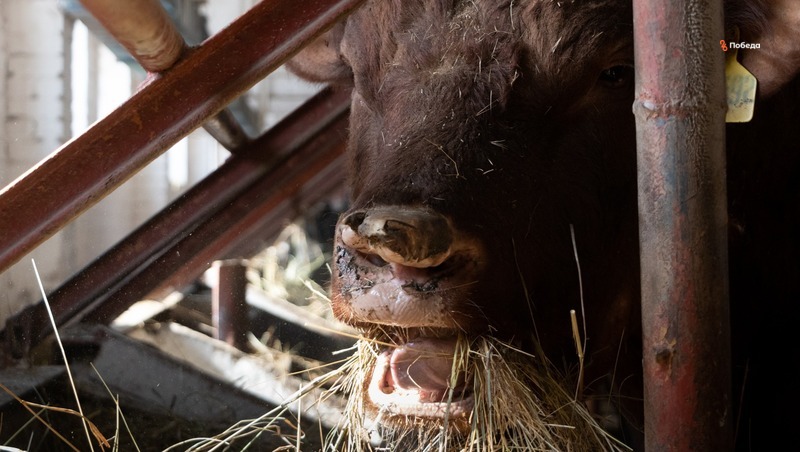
<point x="421" y="378"/>
<point x="495" y="397"/>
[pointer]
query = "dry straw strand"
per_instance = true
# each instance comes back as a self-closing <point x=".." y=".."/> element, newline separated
<point x="63" y="355"/>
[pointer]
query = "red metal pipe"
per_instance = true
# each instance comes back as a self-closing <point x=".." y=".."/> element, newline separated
<point x="104" y="277"/>
<point x="81" y="172"/>
<point x="143" y="28"/>
<point x="229" y="303"/>
<point x="680" y="110"/>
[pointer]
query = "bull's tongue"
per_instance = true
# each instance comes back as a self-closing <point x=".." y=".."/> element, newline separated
<point x="414" y="379"/>
<point x="425" y="365"/>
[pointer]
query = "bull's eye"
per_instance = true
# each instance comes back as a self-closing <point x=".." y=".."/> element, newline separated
<point x="620" y="76"/>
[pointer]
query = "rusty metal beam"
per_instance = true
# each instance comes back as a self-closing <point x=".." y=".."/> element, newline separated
<point x="76" y="176"/>
<point x="104" y="278"/>
<point x="680" y="110"/>
<point x="251" y="220"/>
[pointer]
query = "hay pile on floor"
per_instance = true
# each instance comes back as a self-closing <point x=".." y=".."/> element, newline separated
<point x="518" y="405"/>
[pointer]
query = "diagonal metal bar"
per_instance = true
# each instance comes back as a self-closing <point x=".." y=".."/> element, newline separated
<point x="253" y="220"/>
<point x="76" y="176"/>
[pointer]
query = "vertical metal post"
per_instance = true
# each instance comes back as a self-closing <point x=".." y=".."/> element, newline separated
<point x="229" y="303"/>
<point x="680" y="108"/>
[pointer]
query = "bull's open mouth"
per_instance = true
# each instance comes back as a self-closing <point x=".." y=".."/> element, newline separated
<point x="419" y="378"/>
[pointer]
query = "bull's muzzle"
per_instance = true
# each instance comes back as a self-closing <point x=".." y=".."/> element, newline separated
<point x="413" y="237"/>
<point x="403" y="266"/>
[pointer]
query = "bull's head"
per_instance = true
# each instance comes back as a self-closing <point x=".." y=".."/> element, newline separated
<point x="492" y="146"/>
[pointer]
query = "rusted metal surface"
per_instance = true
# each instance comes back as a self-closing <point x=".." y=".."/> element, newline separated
<point x="328" y="181"/>
<point x="680" y="109"/>
<point x="74" y="177"/>
<point x="229" y="303"/>
<point x="104" y="278"/>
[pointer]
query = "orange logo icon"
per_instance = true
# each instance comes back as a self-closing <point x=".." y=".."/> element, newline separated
<point x="722" y="44"/>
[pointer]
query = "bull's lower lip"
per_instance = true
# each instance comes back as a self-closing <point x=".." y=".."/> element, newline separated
<point x="392" y="399"/>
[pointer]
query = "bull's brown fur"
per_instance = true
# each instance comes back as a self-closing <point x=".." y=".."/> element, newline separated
<point x="513" y="119"/>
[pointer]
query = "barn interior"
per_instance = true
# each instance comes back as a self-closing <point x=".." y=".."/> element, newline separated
<point x="184" y="269"/>
<point x="175" y="188"/>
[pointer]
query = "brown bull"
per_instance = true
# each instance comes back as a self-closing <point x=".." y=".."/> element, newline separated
<point x="493" y="141"/>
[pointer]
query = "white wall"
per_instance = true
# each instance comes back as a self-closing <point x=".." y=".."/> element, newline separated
<point x="33" y="121"/>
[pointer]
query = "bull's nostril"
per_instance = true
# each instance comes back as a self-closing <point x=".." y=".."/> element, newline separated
<point x="411" y="236"/>
<point x="355" y="219"/>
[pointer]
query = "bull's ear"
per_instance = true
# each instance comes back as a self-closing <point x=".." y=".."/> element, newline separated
<point x="321" y="61"/>
<point x="774" y="26"/>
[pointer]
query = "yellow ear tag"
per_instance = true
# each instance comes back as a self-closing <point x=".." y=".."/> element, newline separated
<point x="740" y="86"/>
